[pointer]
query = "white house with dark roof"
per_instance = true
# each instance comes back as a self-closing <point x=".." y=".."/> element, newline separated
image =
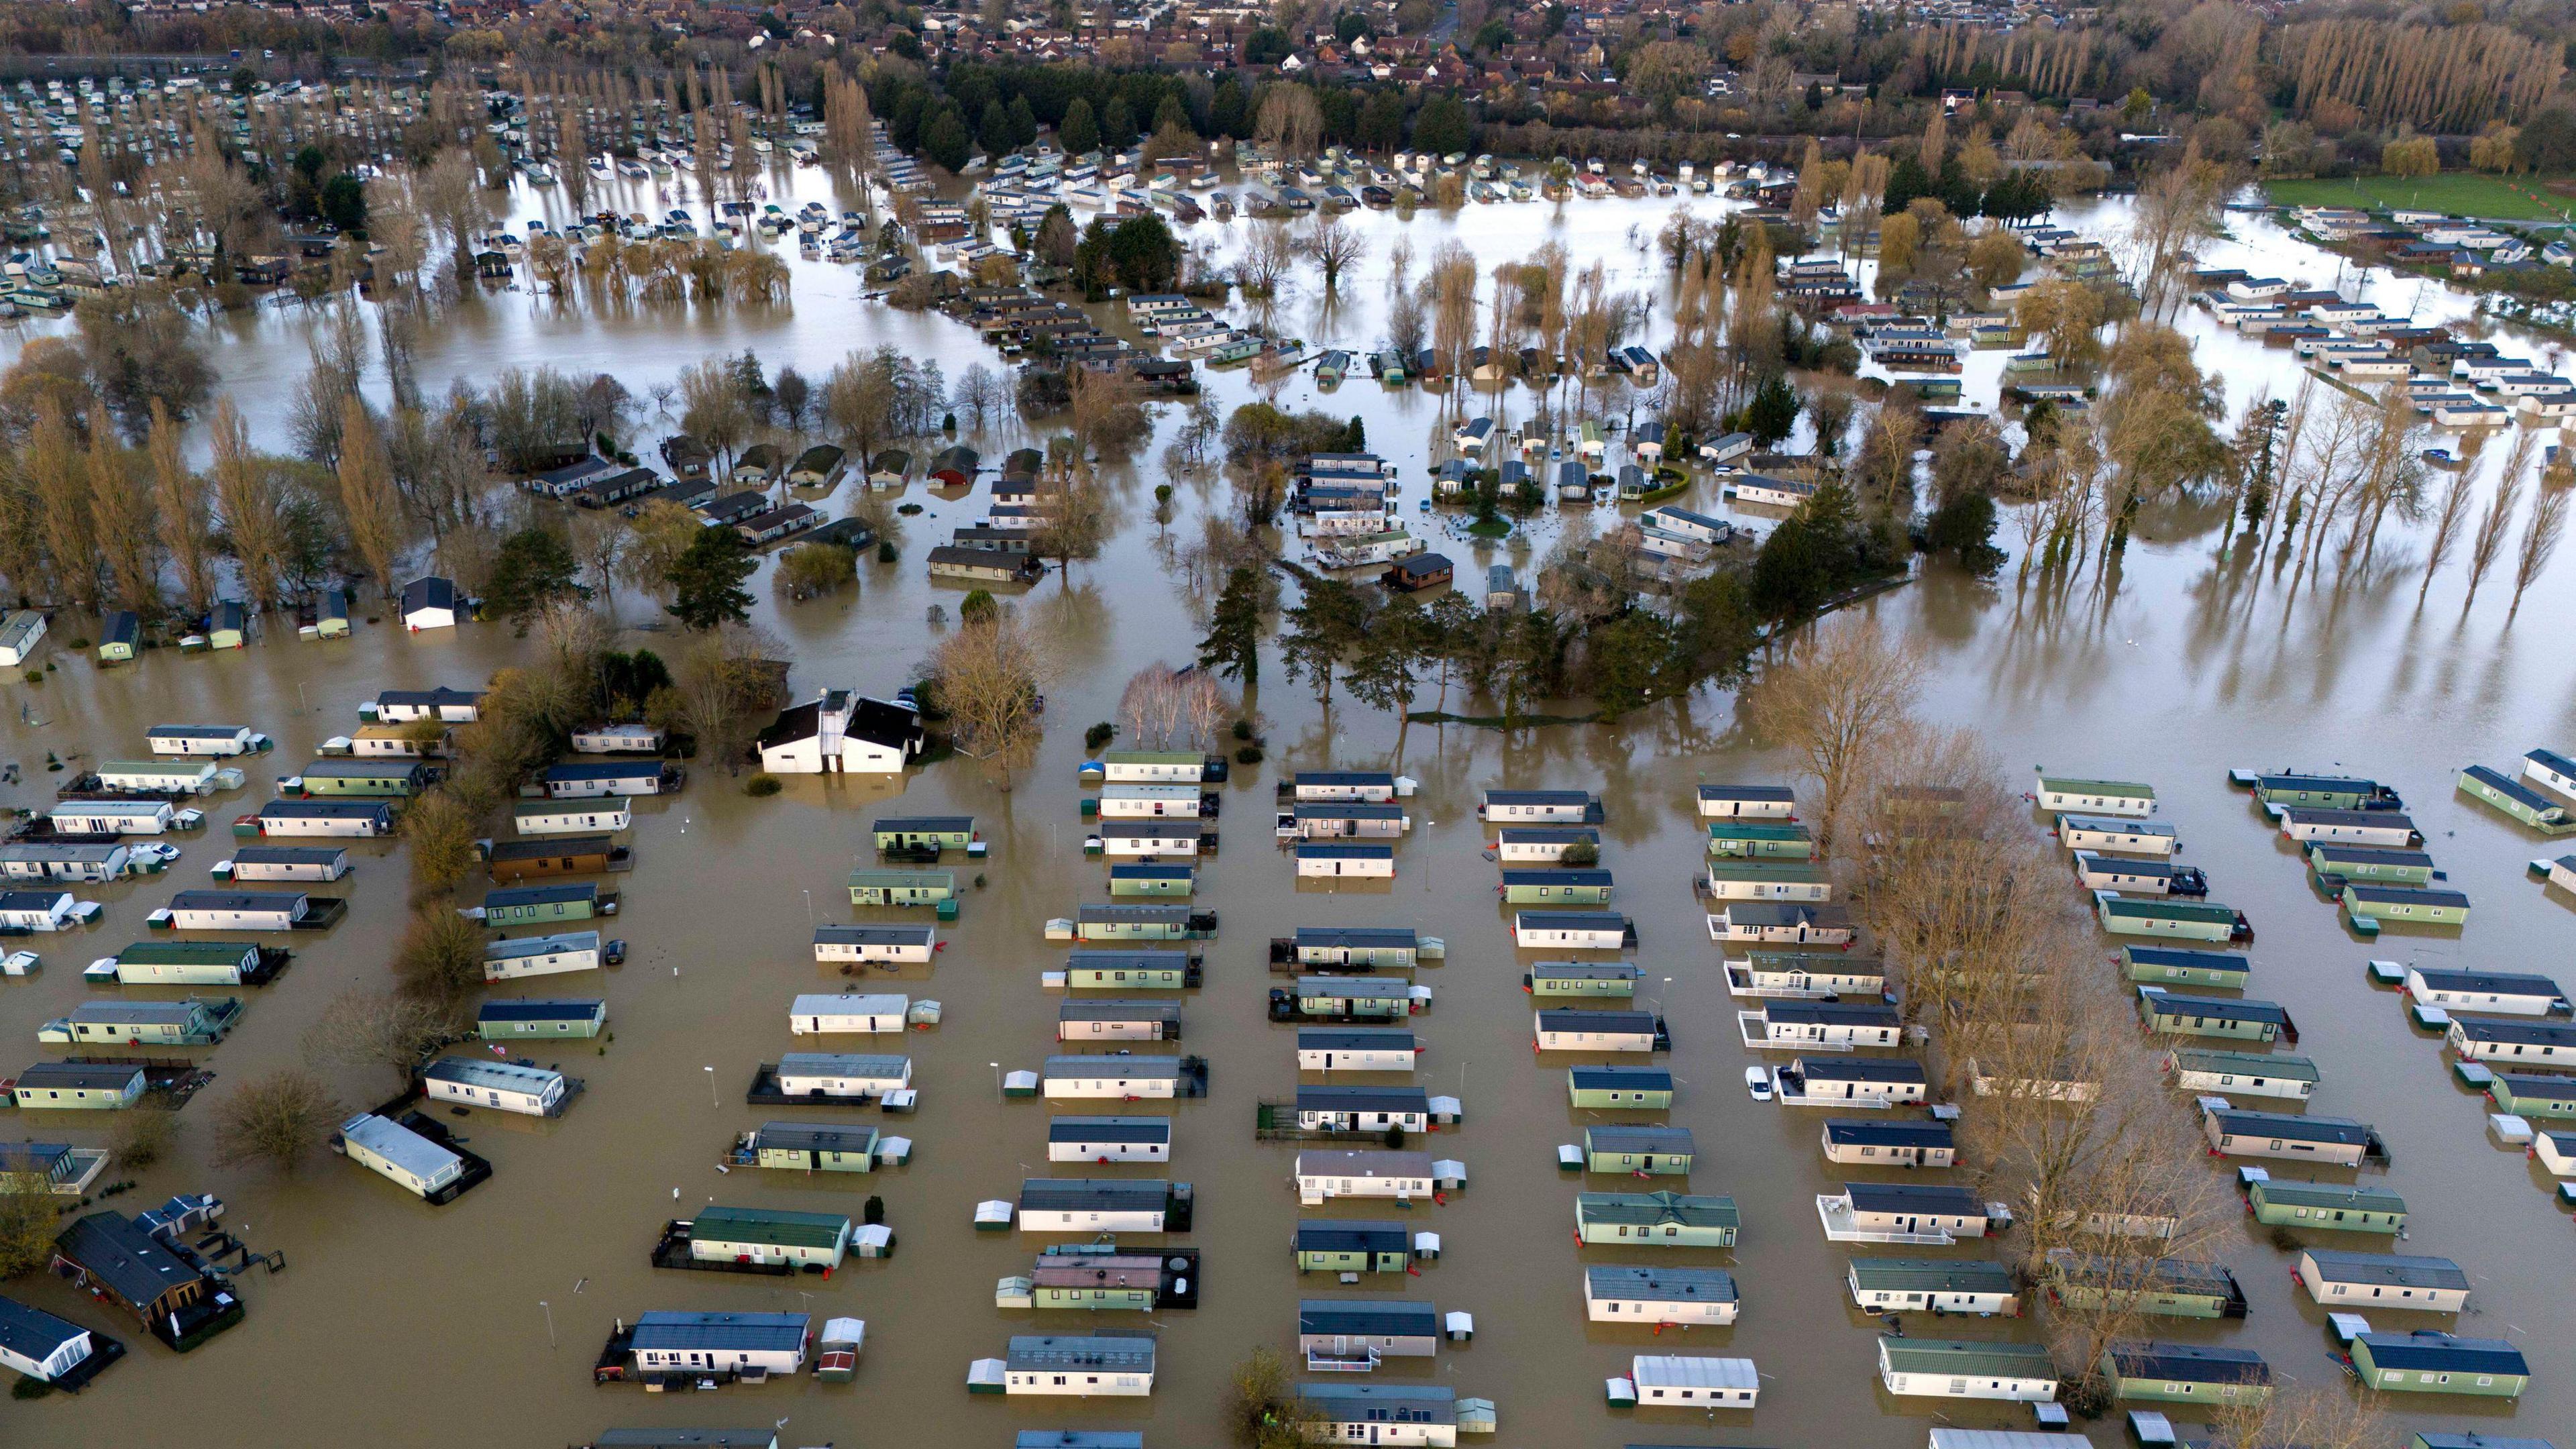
<point x="840" y="732"/>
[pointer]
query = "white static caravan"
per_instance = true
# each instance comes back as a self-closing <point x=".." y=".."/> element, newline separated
<point x="1114" y="1364"/>
<point x="1151" y="802"/>
<point x="38" y="910"/>
<point x="1406" y="1176"/>
<point x="840" y="1074"/>
<point x="2487" y="1039"/>
<point x="1771" y="492"/>
<point x="20" y="631"/>
<point x="573" y="817"/>
<point x="849" y="1013"/>
<point x="1101" y="1205"/>
<point x="290" y="862"/>
<point x="2382" y="1280"/>
<point x="1659" y="1295"/>
<point x="112" y="817"/>
<point x="44" y="860"/>
<point x="2059" y="794"/>
<point x="2112" y="835"/>
<point x="1540" y="807"/>
<point x="618" y="739"/>
<point x="501" y="1086"/>
<point x="1832" y="1025"/>
<point x="2551" y="770"/>
<point x="2502" y="993"/>
<point x="1569" y="1030"/>
<point x="1349" y="787"/>
<point x="1679" y="1381"/>
<point x="1150" y="839"/>
<point x="455" y="706"/>
<point x="877" y="945"/>
<point x="309" y="819"/>
<point x="1109" y="1139"/>
<point x="1335" y="860"/>
<point x="1572" y="931"/>
<point x="204" y="739"/>
<point x="2384" y="829"/>
<point x="1153" y="767"/>
<point x="238" y="910"/>
<point x="165" y="775"/>
<point x="1747" y="802"/>
<point x="509" y="960"/>
<point x="1933" y="1368"/>
<point x="1356" y="1049"/>
<point x="1121" y="1075"/>
<point x="397" y="1152"/>
<point x="1542" y="844"/>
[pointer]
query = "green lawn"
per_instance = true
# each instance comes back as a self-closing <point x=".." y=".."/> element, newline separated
<point x="2461" y="193"/>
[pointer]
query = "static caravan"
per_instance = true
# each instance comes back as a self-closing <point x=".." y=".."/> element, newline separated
<point x="1614" y="1088"/>
<point x="632" y="738"/>
<point x="1865" y="1142"/>
<point x="2551" y="770"/>
<point x="1679" y="1381"/>
<point x="1639" y="1151"/>
<point x="1367" y="948"/>
<point x="191" y="1023"/>
<point x="1356" y="1049"/>
<point x="206" y="910"/>
<point x="1572" y="931"/>
<point x="535" y="905"/>
<point x="1398" y="1416"/>
<point x="1104" y="1205"/>
<point x="933" y="888"/>
<point x="2170" y="919"/>
<point x="2500" y="993"/>
<point x="591" y="780"/>
<point x="2184" y="966"/>
<point x="2098" y="872"/>
<point x="1748" y="802"/>
<point x="2335" y="864"/>
<point x="112" y="817"/>
<point x="1178" y="839"/>
<point x="1828" y="1024"/>
<point x="78" y="1086"/>
<point x="1144" y="879"/>
<point x="36" y="910"/>
<point x="1109" y="1139"/>
<point x="2112" y="835"/>
<point x="20" y="631"/>
<point x="2336" y="1141"/>
<point x="2062" y="794"/>
<point x="1124" y="1076"/>
<point x="688" y="1345"/>
<point x="848" y="1013"/>
<point x="1352" y="1335"/>
<point x="190" y="963"/>
<point x="501" y="1086"/>
<point x="1091" y="970"/>
<point x="1155" y="767"/>
<point x="1095" y="1280"/>
<point x="1782" y="923"/>
<point x="1336" y="860"/>
<point x="1565" y="1029"/>
<point x="1349" y="998"/>
<point x="2487" y="1039"/>
<point x="1902" y="1213"/>
<point x="2341" y="1207"/>
<point x="1655" y="1219"/>
<point x="1543" y="844"/>
<point x="44" y="860"/>
<point x="841" y="1077"/>
<point x="2373" y="906"/>
<point x="2536" y="808"/>
<point x="2322" y="792"/>
<point x="519" y="1019"/>
<point x="1562" y="886"/>
<point x="392" y="1150"/>
<point x="2384" y="829"/>
<point x="877" y="945"/>
<point x="1932" y="1285"/>
<point x="1540" y="807"/>
<point x="388" y="779"/>
<point x="1407" y="1176"/>
<point x="327" y="819"/>
<point x="2232" y="1018"/>
<point x="1363" y="1109"/>
<point x="2242" y="1074"/>
<point x="2427" y="1362"/>
<point x="2529" y="1096"/>
<point x="1350" y="1245"/>
<point x="2555" y="1152"/>
<point x="812" y="1147"/>
<point x="1341" y="820"/>
<point x="1951" y="1369"/>
<point x="290" y="862"/>
<point x="164" y="775"/>
<point x="511" y="861"/>
<point x="1131" y="922"/>
<point x="572" y="817"/>
<point x="1118" y="1020"/>
<point x="1581" y="979"/>
<point x="1830" y="1081"/>
<point x="719" y="1235"/>
<point x="2186" y="1373"/>
<point x="402" y="706"/>
<point x="2382" y="1280"/>
<point x="204" y="740"/>
<point x="1348" y="786"/>
<point x="1760" y="840"/>
<point x="2164" y="1288"/>
<point x="1154" y="802"/>
<point x="1737" y="879"/>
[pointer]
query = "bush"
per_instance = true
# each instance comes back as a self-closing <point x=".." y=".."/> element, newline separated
<point x="1248" y="755"/>
<point x="1580" y="853"/>
<point x="762" y="786"/>
<point x="1098" y="735"/>
<point x="817" y="568"/>
<point x="885" y="550"/>
<point x="1243" y="729"/>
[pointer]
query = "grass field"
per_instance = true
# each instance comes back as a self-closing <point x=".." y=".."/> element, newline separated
<point x="2461" y="193"/>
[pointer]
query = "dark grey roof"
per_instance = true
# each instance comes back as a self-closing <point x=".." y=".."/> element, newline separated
<point x="116" y="1252"/>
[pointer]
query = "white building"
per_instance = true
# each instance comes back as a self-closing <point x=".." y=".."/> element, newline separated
<point x="885" y="945"/>
<point x="429" y="603"/>
<point x="850" y="1013"/>
<point x="1681" y="1381"/>
<point x="397" y="1152"/>
<point x="839" y="732"/>
<point x="501" y="1086"/>
<point x="508" y="960"/>
<point x="1659" y="1295"/>
<point x="1112" y="1364"/>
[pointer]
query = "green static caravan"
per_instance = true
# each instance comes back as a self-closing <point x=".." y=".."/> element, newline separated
<point x="2533" y="1096"/>
<point x="2336" y="865"/>
<point x="2514" y="798"/>
<point x="1579" y="979"/>
<point x="2372" y="907"/>
<point x="1131" y="970"/>
<point x="2430" y="1362"/>
<point x="1655" y="1219"/>
<point x="1133" y="923"/>
<point x="1334" y="1245"/>
<point x="2182" y="966"/>
<point x="902" y="887"/>
<point x="1362" y="948"/>
<point x="2170" y="919"/>
<point x="530" y="905"/>
<point x="1652" y="1151"/>
<point x="371" y="779"/>
<point x="2062" y="794"/>
<point x="2242" y="1074"/>
<point x="924" y="832"/>
<point x="2117" y="836"/>
<point x="1562" y="886"/>
<point x="1348" y="998"/>
<point x="2166" y="1288"/>
<point x="720" y="1234"/>
<point x="2186" y="1373"/>
<point x="517" y="1019"/>
<point x="2319" y="792"/>
<point x="1616" y="1088"/>
<point x="2225" y="1017"/>
<point x="810" y="1147"/>
<point x="1173" y="882"/>
<point x="1760" y="840"/>
<point x="1736" y="878"/>
<point x="189" y="963"/>
<point x="2331" y="1206"/>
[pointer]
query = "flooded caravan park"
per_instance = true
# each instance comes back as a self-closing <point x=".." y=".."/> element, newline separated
<point x="398" y="1323"/>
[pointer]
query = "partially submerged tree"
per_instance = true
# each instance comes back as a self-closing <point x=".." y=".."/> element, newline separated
<point x="989" y="675"/>
<point x="277" y="1119"/>
<point x="1844" y="691"/>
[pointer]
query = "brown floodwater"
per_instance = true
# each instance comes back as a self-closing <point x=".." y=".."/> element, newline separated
<point x="398" y="1323"/>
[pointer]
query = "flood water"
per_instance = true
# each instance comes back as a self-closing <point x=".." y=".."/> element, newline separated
<point x="399" y="1323"/>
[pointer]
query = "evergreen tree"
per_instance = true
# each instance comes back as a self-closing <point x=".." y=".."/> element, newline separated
<point x="1233" y="644"/>
<point x="706" y="579"/>
<point x="1080" y="132"/>
<point x="1229" y="112"/>
<point x="945" y="140"/>
<point x="993" y="132"/>
<point x="1773" y="411"/>
<point x="1024" y="122"/>
<point x="1172" y="113"/>
<point x="533" y="568"/>
<point x="1118" y="125"/>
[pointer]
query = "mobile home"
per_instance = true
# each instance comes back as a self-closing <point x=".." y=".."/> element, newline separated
<point x="2427" y="1362"/>
<point x="1356" y="1049"/>
<point x="501" y="1086"/>
<point x="396" y="1152"/>
<point x="2341" y="1207"/>
<point x="2499" y="993"/>
<point x="877" y="945"/>
<point x="2113" y="835"/>
<point x="290" y="862"/>
<point x="1747" y="802"/>
<point x="206" y="910"/>
<point x="2382" y="1280"/>
<point x="572" y="817"/>
<point x="1572" y="931"/>
<point x="1951" y="1369"/>
<point x="328" y="819"/>
<point x="1656" y="1219"/>
<point x="2063" y="794"/>
<point x="517" y="1019"/>
<point x="1109" y="1139"/>
<point x="1679" y="1381"/>
<point x="1103" y="1205"/>
<point x="1931" y="1285"/>
<point x="2382" y="829"/>
<point x="2337" y="1141"/>
<point x="2186" y="1373"/>
<point x="2242" y="1074"/>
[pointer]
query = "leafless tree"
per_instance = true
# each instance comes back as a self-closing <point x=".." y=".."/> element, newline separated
<point x="371" y="1029"/>
<point x="277" y="1119"/>
<point x="1845" y="689"/>
<point x="2539" y="540"/>
<point x="1336" y="248"/>
<point x="1269" y="255"/>
<point x="2493" y="525"/>
<point x="990" y="674"/>
<point x="2448" y="516"/>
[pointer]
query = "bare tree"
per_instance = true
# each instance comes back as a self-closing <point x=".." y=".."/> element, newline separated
<point x="2493" y="525"/>
<point x="440" y="959"/>
<point x="1833" y="704"/>
<point x="179" y="507"/>
<point x="277" y="1119"/>
<point x="989" y="674"/>
<point x="1269" y="255"/>
<point x="2539" y="540"/>
<point x="979" y="395"/>
<point x="247" y="496"/>
<point x="1336" y="248"/>
<point x="121" y="518"/>
<point x="369" y="1029"/>
<point x="2452" y="512"/>
<point x="367" y="496"/>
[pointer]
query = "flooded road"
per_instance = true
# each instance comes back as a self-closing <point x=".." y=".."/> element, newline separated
<point x="398" y="1323"/>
